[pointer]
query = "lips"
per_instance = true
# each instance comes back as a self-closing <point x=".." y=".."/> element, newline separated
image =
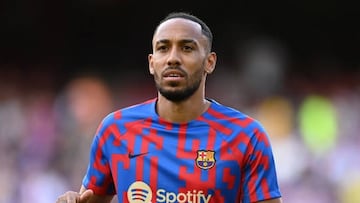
<point x="173" y="73"/>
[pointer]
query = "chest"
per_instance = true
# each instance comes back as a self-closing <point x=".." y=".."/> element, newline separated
<point x="197" y="157"/>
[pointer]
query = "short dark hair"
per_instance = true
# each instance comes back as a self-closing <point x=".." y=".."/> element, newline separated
<point x="204" y="28"/>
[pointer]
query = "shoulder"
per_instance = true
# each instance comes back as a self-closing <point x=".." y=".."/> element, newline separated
<point x="132" y="113"/>
<point x="223" y="113"/>
<point x="243" y="127"/>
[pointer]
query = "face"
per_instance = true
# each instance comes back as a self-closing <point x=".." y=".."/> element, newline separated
<point x="180" y="60"/>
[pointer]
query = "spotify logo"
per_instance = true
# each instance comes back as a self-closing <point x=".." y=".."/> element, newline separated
<point x="139" y="192"/>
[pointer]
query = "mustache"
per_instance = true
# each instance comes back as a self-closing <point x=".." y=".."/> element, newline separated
<point x="177" y="68"/>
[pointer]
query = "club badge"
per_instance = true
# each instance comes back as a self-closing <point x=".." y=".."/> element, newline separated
<point x="205" y="159"/>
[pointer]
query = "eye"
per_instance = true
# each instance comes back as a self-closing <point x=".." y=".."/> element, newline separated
<point x="162" y="48"/>
<point x="187" y="48"/>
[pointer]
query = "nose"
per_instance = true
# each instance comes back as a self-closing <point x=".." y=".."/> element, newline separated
<point x="174" y="57"/>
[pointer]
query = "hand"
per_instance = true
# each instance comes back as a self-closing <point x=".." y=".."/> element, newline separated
<point x="75" y="197"/>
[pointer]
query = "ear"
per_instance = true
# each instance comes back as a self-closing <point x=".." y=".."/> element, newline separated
<point x="151" y="69"/>
<point x="210" y="63"/>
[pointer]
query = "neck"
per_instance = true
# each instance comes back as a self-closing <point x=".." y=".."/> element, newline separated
<point x="181" y="112"/>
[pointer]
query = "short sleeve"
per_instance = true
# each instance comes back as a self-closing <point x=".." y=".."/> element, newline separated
<point x="98" y="176"/>
<point x="260" y="179"/>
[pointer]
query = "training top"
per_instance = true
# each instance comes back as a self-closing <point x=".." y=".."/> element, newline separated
<point x="223" y="156"/>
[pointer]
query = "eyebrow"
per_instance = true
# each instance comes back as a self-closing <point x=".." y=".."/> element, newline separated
<point x="183" y="41"/>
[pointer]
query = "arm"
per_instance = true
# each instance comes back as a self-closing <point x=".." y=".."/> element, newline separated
<point x="98" y="176"/>
<point x="260" y="179"/>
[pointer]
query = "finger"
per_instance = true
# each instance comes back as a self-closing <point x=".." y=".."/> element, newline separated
<point x="61" y="200"/>
<point x="68" y="197"/>
<point x="71" y="199"/>
<point x="85" y="196"/>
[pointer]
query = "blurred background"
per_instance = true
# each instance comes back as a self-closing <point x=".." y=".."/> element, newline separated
<point x="293" y="65"/>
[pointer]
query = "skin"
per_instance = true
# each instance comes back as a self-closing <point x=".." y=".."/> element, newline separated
<point x="180" y="62"/>
<point x="180" y="43"/>
<point x="84" y="196"/>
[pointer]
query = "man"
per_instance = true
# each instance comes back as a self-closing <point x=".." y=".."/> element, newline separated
<point x="180" y="146"/>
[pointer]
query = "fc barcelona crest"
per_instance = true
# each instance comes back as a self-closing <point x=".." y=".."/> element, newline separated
<point x="205" y="159"/>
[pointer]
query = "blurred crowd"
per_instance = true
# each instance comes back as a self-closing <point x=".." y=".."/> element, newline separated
<point x="313" y="122"/>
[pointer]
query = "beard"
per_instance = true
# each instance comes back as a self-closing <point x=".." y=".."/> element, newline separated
<point x="181" y="94"/>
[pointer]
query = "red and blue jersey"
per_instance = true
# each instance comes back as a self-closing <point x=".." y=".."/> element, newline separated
<point x="222" y="156"/>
